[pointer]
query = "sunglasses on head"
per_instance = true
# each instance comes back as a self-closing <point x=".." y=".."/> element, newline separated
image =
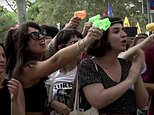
<point x="36" y="35"/>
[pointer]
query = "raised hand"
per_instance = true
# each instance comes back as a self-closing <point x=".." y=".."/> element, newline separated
<point x="137" y="65"/>
<point x="141" y="58"/>
<point x="86" y="27"/>
<point x="17" y="97"/>
<point x="73" y="23"/>
<point x="15" y="89"/>
<point x="94" y="33"/>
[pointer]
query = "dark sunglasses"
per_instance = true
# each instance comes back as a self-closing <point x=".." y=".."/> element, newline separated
<point x="36" y="35"/>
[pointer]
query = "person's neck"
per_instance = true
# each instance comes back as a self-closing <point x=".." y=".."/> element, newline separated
<point x="108" y="59"/>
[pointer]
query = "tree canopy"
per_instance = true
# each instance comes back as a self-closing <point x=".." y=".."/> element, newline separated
<point x="60" y="11"/>
<point x="7" y="19"/>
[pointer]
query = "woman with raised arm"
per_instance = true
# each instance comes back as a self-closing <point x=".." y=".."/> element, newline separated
<point x="27" y="66"/>
<point x="62" y="80"/>
<point x="108" y="83"/>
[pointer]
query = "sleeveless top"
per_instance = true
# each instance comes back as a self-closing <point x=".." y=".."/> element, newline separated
<point x="89" y="75"/>
<point x="62" y="85"/>
<point x="5" y="100"/>
<point x="36" y="97"/>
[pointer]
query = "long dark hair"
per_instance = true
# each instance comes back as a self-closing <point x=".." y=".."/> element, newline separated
<point x="17" y="44"/>
<point x="10" y="50"/>
<point x="2" y="45"/>
<point x="64" y="36"/>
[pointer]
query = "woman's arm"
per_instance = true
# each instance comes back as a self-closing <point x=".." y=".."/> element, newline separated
<point x="102" y="97"/>
<point x="62" y="57"/>
<point x="143" y="45"/>
<point x="141" y="94"/>
<point x="150" y="88"/>
<point x="72" y="24"/>
<point x="139" y="88"/>
<point x="87" y="26"/>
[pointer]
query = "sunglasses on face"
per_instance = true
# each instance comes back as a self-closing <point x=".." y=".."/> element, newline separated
<point x="36" y="35"/>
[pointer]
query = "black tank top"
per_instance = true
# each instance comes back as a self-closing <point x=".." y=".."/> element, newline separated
<point x="36" y="97"/>
<point x="5" y="100"/>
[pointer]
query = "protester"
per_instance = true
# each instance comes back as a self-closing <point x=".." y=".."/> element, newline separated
<point x="10" y="101"/>
<point x="50" y="32"/>
<point x="148" y="77"/>
<point x="62" y="80"/>
<point x="139" y="38"/>
<point x="29" y="68"/>
<point x="5" y="97"/>
<point x="147" y="46"/>
<point x="146" y="43"/>
<point x="111" y="84"/>
<point x="72" y="24"/>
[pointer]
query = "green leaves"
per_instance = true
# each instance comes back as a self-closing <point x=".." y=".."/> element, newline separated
<point x="7" y="19"/>
<point x="55" y="11"/>
<point x="60" y="11"/>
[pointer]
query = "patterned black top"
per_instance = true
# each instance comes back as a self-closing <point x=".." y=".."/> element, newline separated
<point x="90" y="73"/>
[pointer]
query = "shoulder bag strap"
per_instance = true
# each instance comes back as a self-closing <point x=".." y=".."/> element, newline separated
<point x="73" y="92"/>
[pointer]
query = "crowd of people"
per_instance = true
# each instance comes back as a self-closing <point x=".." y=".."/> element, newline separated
<point x="40" y="66"/>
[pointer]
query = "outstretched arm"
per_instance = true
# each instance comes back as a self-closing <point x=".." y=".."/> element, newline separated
<point x="143" y="45"/>
<point x="62" y="57"/>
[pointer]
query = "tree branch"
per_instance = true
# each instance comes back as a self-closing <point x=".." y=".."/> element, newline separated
<point x="29" y="2"/>
<point x="10" y="6"/>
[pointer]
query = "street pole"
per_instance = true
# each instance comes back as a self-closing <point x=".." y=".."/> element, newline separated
<point x="142" y="6"/>
<point x="148" y="10"/>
